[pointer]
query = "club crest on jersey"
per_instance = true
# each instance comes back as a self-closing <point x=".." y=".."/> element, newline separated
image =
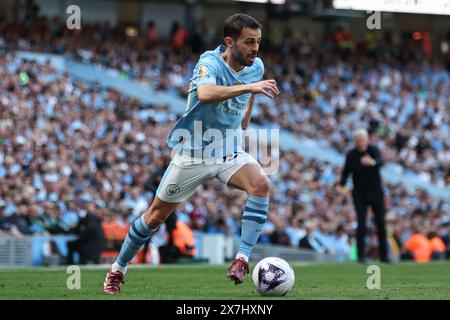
<point x="172" y="189"/>
<point x="202" y="71"/>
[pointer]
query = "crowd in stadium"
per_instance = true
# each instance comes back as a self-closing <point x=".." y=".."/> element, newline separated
<point x="329" y="87"/>
<point x="69" y="147"/>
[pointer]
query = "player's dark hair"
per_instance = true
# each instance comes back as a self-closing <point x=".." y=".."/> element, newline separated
<point x="234" y="24"/>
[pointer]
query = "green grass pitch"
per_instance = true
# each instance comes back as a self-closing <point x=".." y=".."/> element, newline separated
<point x="313" y="281"/>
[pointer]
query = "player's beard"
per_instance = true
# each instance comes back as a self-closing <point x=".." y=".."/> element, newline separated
<point x="243" y="59"/>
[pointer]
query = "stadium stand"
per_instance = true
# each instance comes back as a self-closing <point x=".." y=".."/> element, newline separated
<point x="399" y="93"/>
<point x="68" y="146"/>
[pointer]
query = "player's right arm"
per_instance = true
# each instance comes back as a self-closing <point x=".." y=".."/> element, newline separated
<point x="205" y="78"/>
<point x="211" y="93"/>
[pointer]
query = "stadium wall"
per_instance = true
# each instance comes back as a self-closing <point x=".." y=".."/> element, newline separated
<point x="215" y="248"/>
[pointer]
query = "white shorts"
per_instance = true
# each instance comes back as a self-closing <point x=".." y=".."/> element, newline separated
<point x="185" y="174"/>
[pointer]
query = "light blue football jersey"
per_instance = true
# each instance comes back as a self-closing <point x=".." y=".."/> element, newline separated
<point x="214" y="130"/>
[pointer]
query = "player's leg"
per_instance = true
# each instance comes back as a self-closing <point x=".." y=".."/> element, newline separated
<point x="141" y="230"/>
<point x="252" y="179"/>
<point x="247" y="174"/>
<point x="177" y="185"/>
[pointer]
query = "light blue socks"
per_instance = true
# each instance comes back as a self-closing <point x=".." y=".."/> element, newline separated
<point x="138" y="234"/>
<point x="253" y="219"/>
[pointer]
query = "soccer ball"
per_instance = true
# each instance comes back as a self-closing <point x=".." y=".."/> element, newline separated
<point x="273" y="276"/>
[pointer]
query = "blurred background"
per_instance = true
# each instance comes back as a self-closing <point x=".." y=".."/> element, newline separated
<point x="84" y="115"/>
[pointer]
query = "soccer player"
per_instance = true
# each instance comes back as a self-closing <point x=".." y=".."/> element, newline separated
<point x="207" y="144"/>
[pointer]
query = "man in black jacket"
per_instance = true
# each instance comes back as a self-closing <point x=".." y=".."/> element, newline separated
<point x="90" y="242"/>
<point x="364" y="162"/>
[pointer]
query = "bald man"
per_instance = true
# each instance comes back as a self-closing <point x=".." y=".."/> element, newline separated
<point x="363" y="162"/>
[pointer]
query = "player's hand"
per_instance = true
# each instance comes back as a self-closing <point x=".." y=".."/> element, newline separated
<point x="342" y="190"/>
<point x="266" y="87"/>
<point x="368" y="161"/>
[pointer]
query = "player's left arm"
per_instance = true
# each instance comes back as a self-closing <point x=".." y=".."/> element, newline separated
<point x="248" y="113"/>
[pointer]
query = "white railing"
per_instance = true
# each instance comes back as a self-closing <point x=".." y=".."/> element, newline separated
<point x="15" y="251"/>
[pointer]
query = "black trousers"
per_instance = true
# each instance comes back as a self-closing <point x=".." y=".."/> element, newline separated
<point x="362" y="200"/>
<point x="86" y="254"/>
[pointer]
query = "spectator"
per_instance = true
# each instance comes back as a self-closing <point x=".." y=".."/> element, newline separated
<point x="90" y="240"/>
<point x="311" y="241"/>
<point x="81" y="136"/>
<point x="438" y="249"/>
<point x="50" y="220"/>
<point x="6" y="228"/>
<point x="180" y="243"/>
<point x="295" y="231"/>
<point x="152" y="34"/>
<point x="342" y="243"/>
<point x="418" y="247"/>
<point x="17" y="223"/>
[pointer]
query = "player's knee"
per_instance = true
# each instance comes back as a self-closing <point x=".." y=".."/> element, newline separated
<point x="260" y="186"/>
